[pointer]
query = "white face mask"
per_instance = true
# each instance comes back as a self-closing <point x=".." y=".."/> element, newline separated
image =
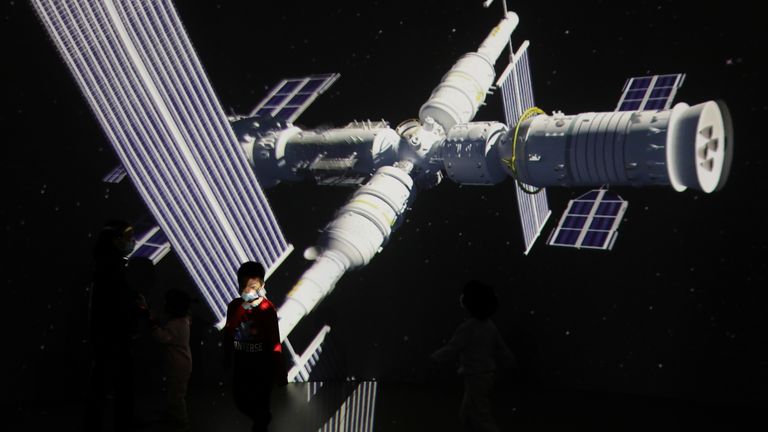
<point x="249" y="296"/>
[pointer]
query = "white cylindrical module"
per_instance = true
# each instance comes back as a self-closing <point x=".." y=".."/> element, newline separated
<point x="292" y="154"/>
<point x="356" y="234"/>
<point x="310" y="289"/>
<point x="372" y="146"/>
<point x="463" y="89"/>
<point x="498" y="39"/>
<point x="686" y="147"/>
<point x="470" y="153"/>
<point x="364" y="223"/>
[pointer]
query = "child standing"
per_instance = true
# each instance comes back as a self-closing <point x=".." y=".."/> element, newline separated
<point x="481" y="350"/>
<point x="177" y="356"/>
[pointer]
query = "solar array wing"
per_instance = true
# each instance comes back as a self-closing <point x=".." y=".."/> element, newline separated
<point x="590" y="221"/>
<point x="141" y="76"/>
<point x="116" y="175"/>
<point x="305" y="363"/>
<point x="517" y="95"/>
<point x="649" y="92"/>
<point x="291" y="96"/>
<point x="358" y="411"/>
<point x="152" y="244"/>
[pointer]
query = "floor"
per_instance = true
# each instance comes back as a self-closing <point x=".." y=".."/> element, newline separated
<point x="382" y="406"/>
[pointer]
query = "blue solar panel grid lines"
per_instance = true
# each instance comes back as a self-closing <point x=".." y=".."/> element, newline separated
<point x="140" y="74"/>
<point x="304" y="364"/>
<point x="534" y="212"/>
<point x="516" y="87"/>
<point x="517" y="97"/>
<point x="151" y="244"/>
<point x="292" y="96"/>
<point x="358" y="411"/>
<point x="654" y="92"/>
<point x="116" y="175"/>
<point x="590" y="221"/>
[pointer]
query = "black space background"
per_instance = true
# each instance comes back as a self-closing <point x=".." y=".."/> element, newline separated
<point x="677" y="309"/>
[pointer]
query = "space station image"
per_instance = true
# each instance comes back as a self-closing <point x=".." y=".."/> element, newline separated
<point x="467" y="215"/>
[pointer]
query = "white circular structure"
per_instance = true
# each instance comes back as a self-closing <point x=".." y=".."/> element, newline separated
<point x="699" y="146"/>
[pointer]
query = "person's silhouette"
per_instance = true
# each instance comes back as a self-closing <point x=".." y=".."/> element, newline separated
<point x="177" y="355"/>
<point x="481" y="350"/>
<point x="114" y="312"/>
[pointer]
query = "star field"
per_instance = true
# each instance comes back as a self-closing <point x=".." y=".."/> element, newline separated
<point x="676" y="309"/>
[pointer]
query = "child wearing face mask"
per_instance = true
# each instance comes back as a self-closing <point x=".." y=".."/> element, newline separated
<point x="252" y="341"/>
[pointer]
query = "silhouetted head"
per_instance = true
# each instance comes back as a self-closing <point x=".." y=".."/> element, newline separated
<point x="479" y="299"/>
<point x="115" y="238"/>
<point x="177" y="303"/>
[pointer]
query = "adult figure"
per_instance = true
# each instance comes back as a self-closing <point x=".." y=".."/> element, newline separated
<point x="115" y="310"/>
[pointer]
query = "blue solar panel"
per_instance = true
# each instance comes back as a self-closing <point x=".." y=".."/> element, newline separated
<point x="590" y="196"/>
<point x="661" y="93"/>
<point x="666" y="80"/>
<point x="649" y="93"/>
<point x="608" y="208"/>
<point x="116" y="175"/>
<point x="150" y="243"/>
<point x="313" y="85"/>
<point x="574" y="222"/>
<point x="581" y="207"/>
<point x="286" y="113"/>
<point x="145" y="251"/>
<point x="289" y="86"/>
<point x="291" y="97"/>
<point x="299" y="99"/>
<point x="517" y="97"/>
<point x="640" y="83"/>
<point x="144" y="82"/>
<point x="636" y="94"/>
<point x="595" y="239"/>
<point x="276" y="100"/>
<point x="601" y="223"/>
<point x="567" y="237"/>
<point x="590" y="223"/>
<point x="630" y="106"/>
<point x="158" y="238"/>
<point x="655" y="104"/>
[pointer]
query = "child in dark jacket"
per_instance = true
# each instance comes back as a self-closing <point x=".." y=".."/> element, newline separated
<point x="177" y="356"/>
<point x="481" y="350"/>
